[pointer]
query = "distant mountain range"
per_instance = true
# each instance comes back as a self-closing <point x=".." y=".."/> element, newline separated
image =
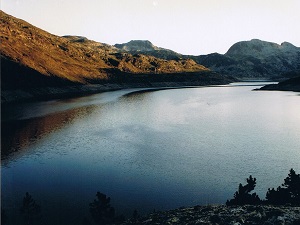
<point x="253" y="59"/>
<point x="31" y="57"/>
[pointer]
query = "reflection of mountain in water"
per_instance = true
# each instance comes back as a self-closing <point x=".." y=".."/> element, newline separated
<point x="17" y="135"/>
<point x="25" y="124"/>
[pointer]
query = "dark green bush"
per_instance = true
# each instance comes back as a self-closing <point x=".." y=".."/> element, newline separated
<point x="287" y="193"/>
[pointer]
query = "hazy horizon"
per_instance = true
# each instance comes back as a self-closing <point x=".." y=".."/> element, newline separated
<point x="194" y="27"/>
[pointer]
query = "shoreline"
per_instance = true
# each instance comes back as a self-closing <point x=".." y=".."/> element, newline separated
<point x="292" y="84"/>
<point x="277" y="87"/>
<point x="64" y="92"/>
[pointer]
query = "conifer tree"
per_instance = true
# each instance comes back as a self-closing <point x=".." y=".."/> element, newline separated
<point x="243" y="196"/>
<point x="30" y="209"/>
<point x="101" y="211"/>
<point x="288" y="193"/>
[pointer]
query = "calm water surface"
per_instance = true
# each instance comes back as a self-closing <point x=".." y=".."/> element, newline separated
<point x="153" y="150"/>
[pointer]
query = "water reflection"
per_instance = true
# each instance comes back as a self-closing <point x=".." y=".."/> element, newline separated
<point x="18" y="135"/>
<point x="27" y="123"/>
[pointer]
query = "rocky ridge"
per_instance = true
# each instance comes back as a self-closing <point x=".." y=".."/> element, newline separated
<point x="254" y="59"/>
<point x="138" y="45"/>
<point x="223" y="215"/>
<point x="145" y="47"/>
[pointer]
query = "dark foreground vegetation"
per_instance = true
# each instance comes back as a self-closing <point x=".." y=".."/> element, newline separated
<point x="287" y="193"/>
<point x="281" y="204"/>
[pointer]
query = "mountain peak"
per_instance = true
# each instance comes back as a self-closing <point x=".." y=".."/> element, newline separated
<point x="287" y="45"/>
<point x="255" y="40"/>
<point x="259" y="49"/>
<point x="137" y="45"/>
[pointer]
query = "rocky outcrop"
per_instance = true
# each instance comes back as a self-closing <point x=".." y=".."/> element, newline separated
<point x="292" y="84"/>
<point x="145" y="47"/>
<point x="137" y="45"/>
<point x="234" y="215"/>
<point x="265" y="51"/>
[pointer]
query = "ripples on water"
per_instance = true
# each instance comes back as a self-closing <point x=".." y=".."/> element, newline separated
<point x="147" y="150"/>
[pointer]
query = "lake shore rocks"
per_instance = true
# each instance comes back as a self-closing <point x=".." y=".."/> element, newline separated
<point x="221" y="214"/>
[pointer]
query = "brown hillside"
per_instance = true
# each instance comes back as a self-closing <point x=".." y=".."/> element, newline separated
<point x="72" y="58"/>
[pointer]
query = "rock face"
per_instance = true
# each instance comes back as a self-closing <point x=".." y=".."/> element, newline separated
<point x="32" y="57"/>
<point x="235" y="215"/>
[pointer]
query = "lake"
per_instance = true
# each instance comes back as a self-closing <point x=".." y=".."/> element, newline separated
<point x="147" y="150"/>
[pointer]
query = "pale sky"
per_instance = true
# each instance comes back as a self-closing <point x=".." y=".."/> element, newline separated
<point x="186" y="26"/>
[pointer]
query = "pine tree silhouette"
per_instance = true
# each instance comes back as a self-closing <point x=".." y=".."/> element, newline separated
<point x="243" y="196"/>
<point x="135" y="217"/>
<point x="277" y="197"/>
<point x="292" y="184"/>
<point x="30" y="210"/>
<point x="288" y="193"/>
<point x="101" y="211"/>
<point x="3" y="217"/>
